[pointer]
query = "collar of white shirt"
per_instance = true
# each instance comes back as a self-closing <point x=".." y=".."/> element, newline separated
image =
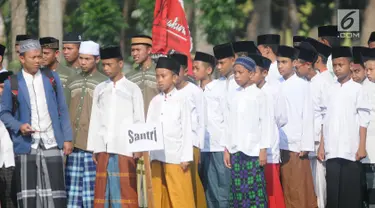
<point x="29" y="77"/>
<point x="167" y="95"/>
<point x="348" y="82"/>
<point x="247" y="88"/>
<point x="120" y="81"/>
<point x="210" y="85"/>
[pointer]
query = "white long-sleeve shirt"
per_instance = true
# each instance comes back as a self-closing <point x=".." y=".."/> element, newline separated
<point x="369" y="88"/>
<point x="216" y="125"/>
<point x="173" y="112"/>
<point x="6" y="148"/>
<point x="250" y="122"/>
<point x="115" y="106"/>
<point x="328" y="75"/>
<point x="318" y="85"/>
<point x="274" y="76"/>
<point x="346" y="109"/>
<point x="40" y="118"/>
<point x="278" y="110"/>
<point x="197" y="117"/>
<point x="229" y="83"/>
<point x="298" y="134"/>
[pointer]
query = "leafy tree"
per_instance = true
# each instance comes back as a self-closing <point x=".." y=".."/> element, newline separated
<point x="98" y="20"/>
<point x="221" y="19"/>
<point x="32" y="18"/>
<point x="143" y="16"/>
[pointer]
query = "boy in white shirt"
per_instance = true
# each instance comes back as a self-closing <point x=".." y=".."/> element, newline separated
<point x="368" y="57"/>
<point x="8" y="197"/>
<point x="193" y="93"/>
<point x="215" y="176"/>
<point x="249" y="124"/>
<point x="171" y="174"/>
<point x="297" y="136"/>
<point x="117" y="103"/>
<point x="343" y="143"/>
<point x="305" y="66"/>
<point x="277" y="106"/>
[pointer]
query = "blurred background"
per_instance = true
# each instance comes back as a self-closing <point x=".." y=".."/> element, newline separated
<point x="211" y="21"/>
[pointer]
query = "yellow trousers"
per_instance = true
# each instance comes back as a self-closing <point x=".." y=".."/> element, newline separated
<point x="172" y="187"/>
<point x="199" y="196"/>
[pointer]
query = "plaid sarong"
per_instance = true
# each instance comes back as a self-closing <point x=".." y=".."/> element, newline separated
<point x="116" y="183"/>
<point x="80" y="179"/>
<point x="7" y="192"/>
<point x="248" y="187"/>
<point x="40" y="179"/>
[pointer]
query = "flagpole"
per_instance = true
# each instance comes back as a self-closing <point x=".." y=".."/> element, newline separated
<point x="147" y="164"/>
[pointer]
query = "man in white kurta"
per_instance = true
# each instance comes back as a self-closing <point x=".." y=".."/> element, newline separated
<point x="369" y="161"/>
<point x="297" y="136"/>
<point x="307" y="58"/>
<point x="248" y="137"/>
<point x="277" y="106"/>
<point x="7" y="195"/>
<point x="193" y="93"/>
<point x="215" y="176"/>
<point x="7" y="164"/>
<point x="171" y="175"/>
<point x="343" y="144"/>
<point x="117" y="103"/>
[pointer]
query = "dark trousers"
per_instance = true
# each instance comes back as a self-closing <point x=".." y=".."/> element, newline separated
<point x="344" y="183"/>
<point x="8" y="197"/>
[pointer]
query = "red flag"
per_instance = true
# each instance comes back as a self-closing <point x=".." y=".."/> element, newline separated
<point x="170" y="29"/>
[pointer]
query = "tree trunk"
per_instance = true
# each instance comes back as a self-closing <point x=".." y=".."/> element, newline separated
<point x="126" y="12"/>
<point x="334" y="14"/>
<point x="63" y="7"/>
<point x="367" y="23"/>
<point x="200" y="37"/>
<point x="2" y="29"/>
<point x="190" y="16"/>
<point x="293" y="17"/>
<point x="284" y="25"/>
<point x="260" y="19"/>
<point x="18" y="16"/>
<point x="50" y="19"/>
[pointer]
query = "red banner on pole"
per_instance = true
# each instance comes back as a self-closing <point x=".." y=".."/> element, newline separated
<point x="170" y="30"/>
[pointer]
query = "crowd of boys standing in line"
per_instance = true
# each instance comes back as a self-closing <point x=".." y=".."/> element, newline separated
<point x="282" y="126"/>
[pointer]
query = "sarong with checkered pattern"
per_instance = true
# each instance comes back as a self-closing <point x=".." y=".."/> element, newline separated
<point x="40" y="179"/>
<point x="80" y="179"/>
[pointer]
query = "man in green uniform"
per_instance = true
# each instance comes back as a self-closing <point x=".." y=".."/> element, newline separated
<point x="71" y="44"/>
<point x="80" y="167"/>
<point x="51" y="52"/>
<point x="144" y="76"/>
